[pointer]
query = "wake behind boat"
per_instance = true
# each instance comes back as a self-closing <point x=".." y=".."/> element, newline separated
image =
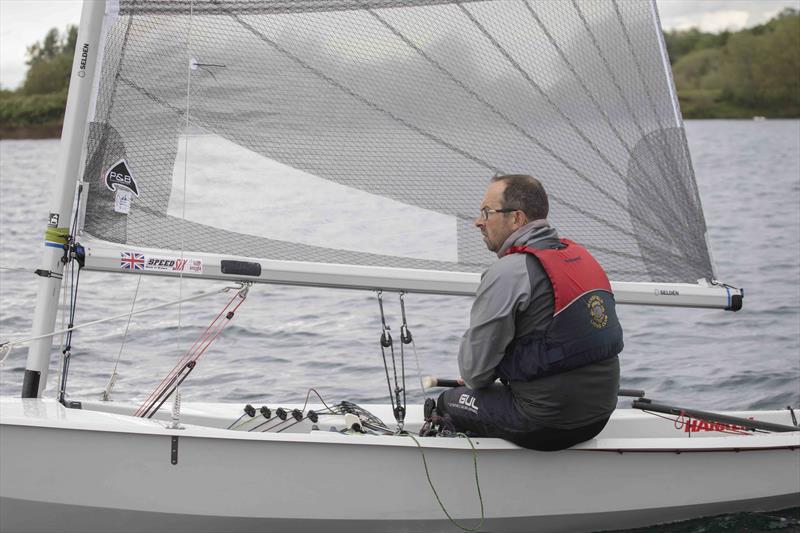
<point x="352" y="112"/>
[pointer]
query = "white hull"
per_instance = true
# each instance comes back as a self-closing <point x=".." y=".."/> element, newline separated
<point x="108" y="472"/>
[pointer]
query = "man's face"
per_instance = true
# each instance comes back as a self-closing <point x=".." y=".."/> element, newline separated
<point x="499" y="226"/>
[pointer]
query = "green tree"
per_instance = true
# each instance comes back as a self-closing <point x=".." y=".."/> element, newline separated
<point x="683" y="42"/>
<point x="778" y="70"/>
<point x="762" y="68"/>
<point x="698" y="70"/>
<point x="50" y="62"/>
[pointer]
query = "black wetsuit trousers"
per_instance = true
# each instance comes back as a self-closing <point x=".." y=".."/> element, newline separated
<point x="491" y="412"/>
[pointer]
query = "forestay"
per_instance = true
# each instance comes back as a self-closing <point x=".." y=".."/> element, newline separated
<point x="363" y="133"/>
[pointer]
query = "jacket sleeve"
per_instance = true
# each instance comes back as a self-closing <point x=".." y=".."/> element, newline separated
<point x="504" y="289"/>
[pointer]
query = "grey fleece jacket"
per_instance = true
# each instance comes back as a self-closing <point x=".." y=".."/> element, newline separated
<point x="511" y="303"/>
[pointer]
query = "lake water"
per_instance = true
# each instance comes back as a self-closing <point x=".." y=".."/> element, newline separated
<point x="287" y="339"/>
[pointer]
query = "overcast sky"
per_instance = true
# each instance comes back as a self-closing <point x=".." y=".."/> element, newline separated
<point x="23" y="22"/>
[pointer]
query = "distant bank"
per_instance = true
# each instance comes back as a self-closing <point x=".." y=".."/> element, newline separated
<point x="744" y="74"/>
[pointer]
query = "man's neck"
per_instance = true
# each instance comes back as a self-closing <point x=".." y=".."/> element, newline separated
<point x="533" y="224"/>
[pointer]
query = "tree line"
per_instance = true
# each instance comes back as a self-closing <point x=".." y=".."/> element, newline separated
<point x="36" y="109"/>
<point x="752" y="72"/>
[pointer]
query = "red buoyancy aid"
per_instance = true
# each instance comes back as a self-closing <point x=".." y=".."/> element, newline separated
<point x="584" y="329"/>
<point x="572" y="271"/>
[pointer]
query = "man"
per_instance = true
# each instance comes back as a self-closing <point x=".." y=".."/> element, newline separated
<point x="544" y="322"/>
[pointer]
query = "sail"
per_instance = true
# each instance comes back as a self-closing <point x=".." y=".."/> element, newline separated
<point x="364" y="133"/>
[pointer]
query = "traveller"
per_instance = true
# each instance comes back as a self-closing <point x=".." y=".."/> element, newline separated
<point x="544" y="323"/>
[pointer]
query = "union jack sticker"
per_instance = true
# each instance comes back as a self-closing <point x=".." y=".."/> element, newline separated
<point x="131" y="261"/>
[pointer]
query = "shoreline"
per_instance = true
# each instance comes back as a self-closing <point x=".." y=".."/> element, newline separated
<point x="50" y="130"/>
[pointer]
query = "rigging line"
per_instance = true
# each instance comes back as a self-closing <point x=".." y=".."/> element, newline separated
<point x="177" y="375"/>
<point x="113" y="379"/>
<point x="406" y="338"/>
<point x="385" y="341"/>
<point x="66" y="352"/>
<point x="197" y="349"/>
<point x="109" y="319"/>
<point x="683" y="421"/>
<point x="640" y="71"/>
<point x="308" y="394"/>
<point x="508" y="120"/>
<point x="363" y="99"/>
<point x="62" y="307"/>
<point x="70" y="260"/>
<point x="549" y="100"/>
<point x="182" y="245"/>
<point x="618" y="86"/>
<point x="419" y="372"/>
<point x="189" y="367"/>
<point x="278" y="421"/>
<point x="436" y="494"/>
<point x="302" y="409"/>
<point x="597" y="105"/>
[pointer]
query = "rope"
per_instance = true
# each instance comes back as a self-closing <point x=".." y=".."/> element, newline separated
<point x="66" y="351"/>
<point x="70" y="259"/>
<point x="113" y="379"/>
<point x="185" y="164"/>
<point x="197" y="349"/>
<point x="436" y="494"/>
<point x="406" y="338"/>
<point x="8" y="346"/>
<point x="63" y="326"/>
<point x="386" y="341"/>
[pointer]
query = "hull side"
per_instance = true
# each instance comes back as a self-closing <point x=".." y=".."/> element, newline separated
<point x="31" y="516"/>
<point x="94" y="480"/>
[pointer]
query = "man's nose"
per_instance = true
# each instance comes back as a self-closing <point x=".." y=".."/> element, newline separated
<point x="479" y="222"/>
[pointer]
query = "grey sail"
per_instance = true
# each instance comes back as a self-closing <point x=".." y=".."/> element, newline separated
<point x="364" y="133"/>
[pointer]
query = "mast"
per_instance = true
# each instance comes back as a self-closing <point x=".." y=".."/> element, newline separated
<point x="84" y="67"/>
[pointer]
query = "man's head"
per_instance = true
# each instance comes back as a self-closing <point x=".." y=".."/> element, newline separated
<point x="510" y="202"/>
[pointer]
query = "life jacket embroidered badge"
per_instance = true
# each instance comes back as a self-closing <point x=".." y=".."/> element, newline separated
<point x="597" y="311"/>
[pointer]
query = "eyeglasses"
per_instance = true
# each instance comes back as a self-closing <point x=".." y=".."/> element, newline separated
<point x="486" y="211"/>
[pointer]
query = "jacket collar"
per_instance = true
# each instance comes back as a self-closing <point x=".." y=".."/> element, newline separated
<point x="528" y="235"/>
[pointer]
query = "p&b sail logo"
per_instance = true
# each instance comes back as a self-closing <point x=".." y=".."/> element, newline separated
<point x="119" y="176"/>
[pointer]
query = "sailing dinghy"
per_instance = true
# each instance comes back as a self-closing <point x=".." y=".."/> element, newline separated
<point x="194" y="129"/>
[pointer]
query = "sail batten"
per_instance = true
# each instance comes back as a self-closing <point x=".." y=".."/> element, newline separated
<point x="364" y="133"/>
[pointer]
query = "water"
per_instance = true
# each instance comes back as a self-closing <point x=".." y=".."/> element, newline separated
<point x="287" y="339"/>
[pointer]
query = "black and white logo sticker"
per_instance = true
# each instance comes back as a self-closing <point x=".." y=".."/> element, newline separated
<point x="119" y="175"/>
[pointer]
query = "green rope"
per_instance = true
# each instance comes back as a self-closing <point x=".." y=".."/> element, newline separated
<point x="477" y="483"/>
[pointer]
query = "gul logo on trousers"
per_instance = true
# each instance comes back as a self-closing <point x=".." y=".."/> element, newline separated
<point x="468" y="401"/>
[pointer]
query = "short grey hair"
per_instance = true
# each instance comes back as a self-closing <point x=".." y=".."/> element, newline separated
<point x="525" y="193"/>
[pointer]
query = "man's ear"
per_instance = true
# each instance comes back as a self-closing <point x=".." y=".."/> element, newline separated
<point x="520" y="218"/>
